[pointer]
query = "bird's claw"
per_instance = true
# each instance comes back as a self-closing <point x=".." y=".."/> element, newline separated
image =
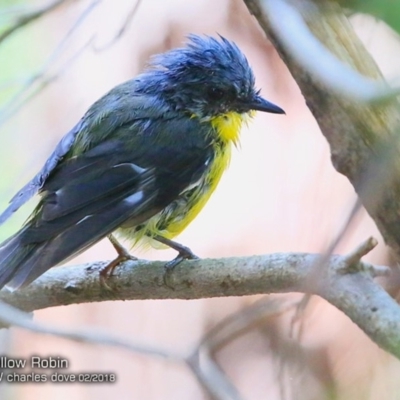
<point x="184" y="254"/>
<point x="108" y="271"/>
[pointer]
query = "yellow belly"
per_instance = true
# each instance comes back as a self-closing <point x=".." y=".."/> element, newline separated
<point x="175" y="218"/>
<point x="200" y="194"/>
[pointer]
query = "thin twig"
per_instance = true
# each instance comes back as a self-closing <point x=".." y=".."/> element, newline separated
<point x="202" y="361"/>
<point x="122" y="30"/>
<point x="354" y="257"/>
<point x="25" y="19"/>
<point x="242" y="321"/>
<point x="41" y="78"/>
<point x="211" y="377"/>
<point x="45" y="80"/>
<point x="12" y="316"/>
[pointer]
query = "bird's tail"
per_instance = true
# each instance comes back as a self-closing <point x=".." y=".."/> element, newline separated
<point x="13" y="254"/>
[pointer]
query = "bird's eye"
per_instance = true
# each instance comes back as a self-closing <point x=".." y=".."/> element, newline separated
<point x="215" y="93"/>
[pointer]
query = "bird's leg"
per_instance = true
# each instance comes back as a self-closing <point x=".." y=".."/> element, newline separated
<point x="123" y="255"/>
<point x="184" y="253"/>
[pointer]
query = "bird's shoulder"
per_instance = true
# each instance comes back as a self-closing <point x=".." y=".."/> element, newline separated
<point x="130" y="114"/>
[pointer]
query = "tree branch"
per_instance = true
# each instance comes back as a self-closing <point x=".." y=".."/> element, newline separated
<point x="364" y="139"/>
<point x="343" y="281"/>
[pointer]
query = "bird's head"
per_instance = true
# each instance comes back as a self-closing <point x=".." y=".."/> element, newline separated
<point x="207" y="79"/>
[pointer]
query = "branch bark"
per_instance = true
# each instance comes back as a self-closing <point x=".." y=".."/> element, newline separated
<point x="343" y="281"/>
<point x="364" y="140"/>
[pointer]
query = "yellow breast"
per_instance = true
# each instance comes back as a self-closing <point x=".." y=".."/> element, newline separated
<point x="228" y="129"/>
<point x="177" y="217"/>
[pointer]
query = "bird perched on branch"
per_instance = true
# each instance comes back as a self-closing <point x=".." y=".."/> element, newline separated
<point x="142" y="161"/>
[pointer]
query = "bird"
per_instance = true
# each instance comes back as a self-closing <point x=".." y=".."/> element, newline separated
<point x="140" y="164"/>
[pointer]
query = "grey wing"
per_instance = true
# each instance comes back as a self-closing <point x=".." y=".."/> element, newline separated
<point x="33" y="186"/>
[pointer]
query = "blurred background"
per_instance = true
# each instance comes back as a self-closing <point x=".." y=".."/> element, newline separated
<point x="280" y="194"/>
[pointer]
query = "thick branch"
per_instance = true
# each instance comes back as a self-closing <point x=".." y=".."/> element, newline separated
<point x="355" y="293"/>
<point x="363" y="138"/>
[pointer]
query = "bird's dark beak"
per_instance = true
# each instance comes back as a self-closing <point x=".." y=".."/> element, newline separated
<point x="260" y="104"/>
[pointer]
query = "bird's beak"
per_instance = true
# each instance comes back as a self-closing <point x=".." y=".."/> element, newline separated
<point x="260" y="104"/>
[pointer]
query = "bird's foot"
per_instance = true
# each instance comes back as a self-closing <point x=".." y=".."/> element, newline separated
<point x="108" y="270"/>
<point x="184" y="253"/>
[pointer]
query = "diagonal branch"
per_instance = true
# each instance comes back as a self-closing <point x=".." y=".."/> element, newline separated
<point x="364" y="139"/>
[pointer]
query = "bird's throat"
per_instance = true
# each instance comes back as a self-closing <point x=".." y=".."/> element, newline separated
<point x="228" y="126"/>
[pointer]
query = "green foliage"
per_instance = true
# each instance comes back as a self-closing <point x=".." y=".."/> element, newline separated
<point x="386" y="10"/>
